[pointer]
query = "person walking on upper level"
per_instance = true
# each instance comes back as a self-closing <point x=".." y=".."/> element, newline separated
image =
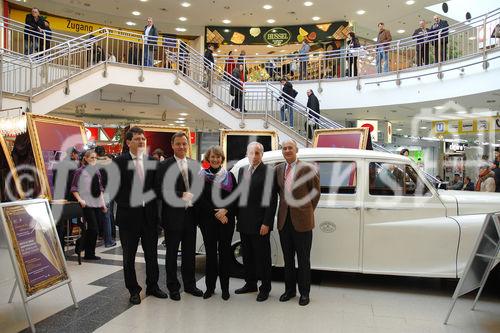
<point x="353" y="50"/>
<point x="33" y="31"/>
<point x="209" y="64"/>
<point x="438" y="33"/>
<point x="384" y="39"/>
<point x="288" y="97"/>
<point x="421" y="36"/>
<point x="150" y="40"/>
<point x="303" y="59"/>
<point x="236" y="88"/>
<point x="313" y="113"/>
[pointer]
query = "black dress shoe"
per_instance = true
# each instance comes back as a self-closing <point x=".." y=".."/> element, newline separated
<point x="287" y="296"/>
<point x="194" y="291"/>
<point x="93" y="257"/>
<point x="225" y="295"/>
<point x="246" y="289"/>
<point x="157" y="293"/>
<point x="175" y="296"/>
<point x="262" y="296"/>
<point x="303" y="300"/>
<point x="135" y="299"/>
<point x="208" y="294"/>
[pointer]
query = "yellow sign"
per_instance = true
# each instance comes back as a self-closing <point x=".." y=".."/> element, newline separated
<point x="466" y="126"/>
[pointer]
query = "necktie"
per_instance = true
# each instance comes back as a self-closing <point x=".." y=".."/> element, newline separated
<point x="288" y="178"/>
<point x="184" y="173"/>
<point x="139" y="167"/>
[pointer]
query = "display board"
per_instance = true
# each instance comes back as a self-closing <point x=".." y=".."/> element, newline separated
<point x="234" y="143"/>
<point x="51" y="137"/>
<point x="10" y="188"/>
<point x="355" y="138"/>
<point x="158" y="137"/>
<point x="482" y="260"/>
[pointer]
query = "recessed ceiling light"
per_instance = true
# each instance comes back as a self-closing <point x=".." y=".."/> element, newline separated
<point x="136" y="13"/>
<point x="181" y="118"/>
<point x="182" y="18"/>
<point x="226" y="30"/>
<point x="235" y="50"/>
<point x="308" y="4"/>
<point x="423" y="127"/>
<point x="130" y="23"/>
<point x="226" y="21"/>
<point x="401" y="31"/>
<point x="180" y="29"/>
<point x="461" y="112"/>
<point x="183" y="114"/>
<point x="256" y="53"/>
<point x="399" y="129"/>
<point x="410" y="2"/>
<point x="171" y="125"/>
<point x="179" y="121"/>
<point x="144" y="0"/>
<point x="360" y="12"/>
<point x="267" y="6"/>
<point x="185" y="4"/>
<point x="271" y="21"/>
<point x="316" y="18"/>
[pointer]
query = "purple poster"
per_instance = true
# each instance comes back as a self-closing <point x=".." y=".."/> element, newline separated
<point x="35" y="241"/>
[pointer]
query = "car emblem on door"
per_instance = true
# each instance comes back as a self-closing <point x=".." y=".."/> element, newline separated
<point x="327" y="227"/>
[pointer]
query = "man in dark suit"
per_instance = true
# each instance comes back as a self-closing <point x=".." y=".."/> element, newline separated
<point x="255" y="221"/>
<point x="421" y="35"/>
<point x="175" y="181"/>
<point x="438" y="33"/>
<point x="151" y="40"/>
<point x="298" y="186"/>
<point x="137" y="213"/>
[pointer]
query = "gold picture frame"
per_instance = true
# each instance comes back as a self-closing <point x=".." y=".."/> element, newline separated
<point x="164" y="129"/>
<point x="362" y="132"/>
<point x="36" y="144"/>
<point x="37" y="253"/>
<point x="12" y="167"/>
<point x="225" y="133"/>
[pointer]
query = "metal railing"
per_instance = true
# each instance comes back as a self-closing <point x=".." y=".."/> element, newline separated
<point x="458" y="41"/>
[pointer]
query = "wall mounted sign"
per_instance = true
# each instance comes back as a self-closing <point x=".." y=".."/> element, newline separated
<point x="277" y="36"/>
<point x="372" y="126"/>
<point x="466" y="126"/>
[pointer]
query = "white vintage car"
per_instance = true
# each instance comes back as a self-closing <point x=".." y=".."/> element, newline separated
<point x="379" y="215"/>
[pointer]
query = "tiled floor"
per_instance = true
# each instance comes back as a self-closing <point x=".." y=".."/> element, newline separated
<point x="339" y="303"/>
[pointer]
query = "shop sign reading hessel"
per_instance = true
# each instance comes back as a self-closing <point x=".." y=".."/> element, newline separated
<point x="277" y="36"/>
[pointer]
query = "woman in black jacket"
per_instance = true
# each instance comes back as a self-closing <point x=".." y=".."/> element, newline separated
<point x="352" y="46"/>
<point x="217" y="220"/>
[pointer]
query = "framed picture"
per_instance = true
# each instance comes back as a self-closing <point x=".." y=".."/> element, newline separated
<point x="234" y="143"/>
<point x="51" y="138"/>
<point x="34" y="244"/>
<point x="159" y="137"/>
<point x="355" y="138"/>
<point x="9" y="180"/>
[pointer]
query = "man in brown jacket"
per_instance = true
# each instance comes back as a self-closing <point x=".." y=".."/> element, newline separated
<point x="297" y="184"/>
<point x="384" y="39"/>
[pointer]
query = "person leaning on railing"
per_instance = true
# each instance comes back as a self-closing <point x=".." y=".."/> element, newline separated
<point x="352" y="49"/>
<point x="236" y="88"/>
<point x="150" y="40"/>
<point x="33" y="31"/>
<point x="421" y="36"/>
<point x="47" y="36"/>
<point x="304" y="58"/>
<point x="438" y="33"/>
<point x="209" y="63"/>
<point x="384" y="39"/>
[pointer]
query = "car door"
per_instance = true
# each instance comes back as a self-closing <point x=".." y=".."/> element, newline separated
<point x="336" y="238"/>
<point x="405" y="229"/>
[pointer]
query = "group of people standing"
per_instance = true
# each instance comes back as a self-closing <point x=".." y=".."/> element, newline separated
<point x="216" y="201"/>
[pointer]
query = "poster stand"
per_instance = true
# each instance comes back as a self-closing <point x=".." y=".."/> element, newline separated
<point x="27" y="288"/>
<point x="485" y="254"/>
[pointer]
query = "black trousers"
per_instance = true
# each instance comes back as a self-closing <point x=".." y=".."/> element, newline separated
<point x="353" y="66"/>
<point x="88" y="241"/>
<point x="423" y="54"/>
<point x="217" y="238"/>
<point x="256" y="250"/>
<point x="296" y="243"/>
<point x="149" y="241"/>
<point x="186" y="237"/>
<point x="237" y="102"/>
<point x="444" y="46"/>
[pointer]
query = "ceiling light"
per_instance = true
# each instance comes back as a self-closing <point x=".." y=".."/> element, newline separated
<point x="144" y="0"/>
<point x="183" y="114"/>
<point x="226" y="30"/>
<point x="360" y="12"/>
<point x="308" y="4"/>
<point x="182" y="18"/>
<point x="271" y="21"/>
<point x="401" y="31"/>
<point x="316" y="18"/>
<point x="171" y="124"/>
<point x="461" y="112"/>
<point x="410" y="2"/>
<point x="180" y="29"/>
<point x="423" y="127"/>
<point x="179" y="121"/>
<point x="130" y="23"/>
<point x="235" y="50"/>
<point x="256" y="53"/>
<point x="267" y="6"/>
<point x="136" y="13"/>
<point x="185" y="4"/>
<point x="181" y="118"/>
<point x="439" y="107"/>
<point x="226" y="21"/>
<point x="399" y="129"/>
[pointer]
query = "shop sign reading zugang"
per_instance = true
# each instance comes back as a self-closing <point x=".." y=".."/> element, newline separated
<point x="277" y="36"/>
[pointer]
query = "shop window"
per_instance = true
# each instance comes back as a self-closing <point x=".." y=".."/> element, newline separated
<point x="389" y="179"/>
<point x="337" y="177"/>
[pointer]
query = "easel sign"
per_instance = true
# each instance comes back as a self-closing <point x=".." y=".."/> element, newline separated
<point x="35" y="251"/>
<point x="485" y="255"/>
